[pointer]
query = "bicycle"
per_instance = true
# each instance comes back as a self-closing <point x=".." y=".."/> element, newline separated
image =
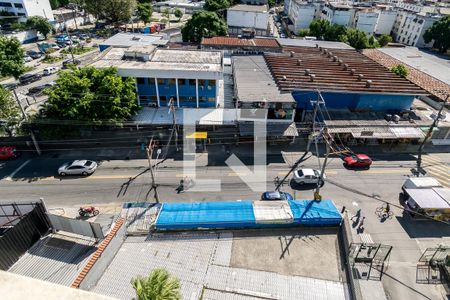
<point x="384" y="212"/>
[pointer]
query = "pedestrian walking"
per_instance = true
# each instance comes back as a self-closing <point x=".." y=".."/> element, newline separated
<point x="361" y="225"/>
<point x="357" y="216"/>
<point x="180" y="187"/>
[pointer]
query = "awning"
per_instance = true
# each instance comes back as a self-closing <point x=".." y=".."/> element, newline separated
<point x="407" y="132"/>
<point x="379" y="132"/>
<point x="198" y="135"/>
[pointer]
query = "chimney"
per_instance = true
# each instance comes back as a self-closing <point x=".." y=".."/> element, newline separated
<point x="292" y="53"/>
<point x="368" y="83"/>
<point x="335" y="58"/>
<point x="299" y="61"/>
<point x="340" y="62"/>
<point x="352" y="71"/>
<point x="345" y="66"/>
<point x="312" y="77"/>
<point x="330" y="54"/>
<point x="317" y="45"/>
<point x="284" y="78"/>
<point x="307" y="72"/>
<point x="360" y="77"/>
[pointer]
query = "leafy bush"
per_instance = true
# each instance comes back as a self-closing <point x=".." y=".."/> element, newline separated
<point x="400" y="70"/>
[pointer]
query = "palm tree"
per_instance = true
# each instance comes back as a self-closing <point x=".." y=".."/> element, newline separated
<point x="159" y="285"/>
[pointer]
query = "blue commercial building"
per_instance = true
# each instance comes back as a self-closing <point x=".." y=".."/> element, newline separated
<point x="193" y="79"/>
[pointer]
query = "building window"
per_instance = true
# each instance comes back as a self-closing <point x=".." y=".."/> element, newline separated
<point x="140" y="80"/>
<point x="191" y="81"/>
<point x="201" y="82"/>
<point x="5" y="4"/>
<point x="18" y="5"/>
<point x="172" y="81"/>
<point x="151" y="81"/>
<point x="212" y="99"/>
<point x="181" y="81"/>
<point x="162" y="98"/>
<point x="211" y="83"/>
<point x="161" y="81"/>
<point x="21" y="14"/>
<point x="202" y="99"/>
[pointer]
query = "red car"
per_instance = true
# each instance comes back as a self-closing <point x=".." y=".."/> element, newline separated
<point x="357" y="161"/>
<point x="8" y="152"/>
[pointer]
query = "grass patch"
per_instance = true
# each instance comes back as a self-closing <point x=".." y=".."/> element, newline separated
<point x="48" y="59"/>
<point x="77" y="50"/>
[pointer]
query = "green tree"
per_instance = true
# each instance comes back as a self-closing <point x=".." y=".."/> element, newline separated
<point x="9" y="112"/>
<point x="88" y="94"/>
<point x="335" y="32"/>
<point x="384" y="39"/>
<point x="356" y="38"/>
<point x="271" y="3"/>
<point x="319" y="28"/>
<point x="159" y="285"/>
<point x="166" y="15"/>
<point x="178" y="13"/>
<point x="303" y="32"/>
<point x="203" y="24"/>
<point x="113" y="11"/>
<point x="400" y="70"/>
<point x="215" y="5"/>
<point x="372" y="42"/>
<point x="41" y="25"/>
<point x="145" y="11"/>
<point x="11" y="57"/>
<point x="440" y="33"/>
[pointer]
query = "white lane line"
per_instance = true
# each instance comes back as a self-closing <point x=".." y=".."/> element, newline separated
<point x="9" y="178"/>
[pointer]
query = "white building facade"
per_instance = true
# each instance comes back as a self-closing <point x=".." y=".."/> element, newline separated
<point x="301" y="13"/>
<point x="366" y="21"/>
<point x="254" y="17"/>
<point x="27" y="8"/>
<point x="409" y="28"/>
<point x="386" y="20"/>
<point x="340" y="14"/>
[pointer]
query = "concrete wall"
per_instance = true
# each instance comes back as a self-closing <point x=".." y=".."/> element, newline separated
<point x="385" y="22"/>
<point x="104" y="260"/>
<point x="248" y="19"/>
<point x="340" y="17"/>
<point x="29" y="8"/>
<point x="301" y="15"/>
<point x="355" y="101"/>
<point x="25" y="36"/>
<point x="366" y="21"/>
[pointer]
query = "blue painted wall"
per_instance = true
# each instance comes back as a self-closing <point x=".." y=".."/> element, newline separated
<point x="355" y="101"/>
<point x="187" y="92"/>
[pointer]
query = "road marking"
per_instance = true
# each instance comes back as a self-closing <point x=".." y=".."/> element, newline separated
<point x="439" y="168"/>
<point x="238" y="174"/>
<point x="386" y="171"/>
<point x="184" y="175"/>
<point x="432" y="159"/>
<point x="9" y="178"/>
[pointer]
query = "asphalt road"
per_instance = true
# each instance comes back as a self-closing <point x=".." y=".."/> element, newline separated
<point x="116" y="181"/>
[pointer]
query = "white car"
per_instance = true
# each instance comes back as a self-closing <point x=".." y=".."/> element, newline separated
<point x="27" y="58"/>
<point x="50" y="70"/>
<point x="78" y="167"/>
<point x="307" y="176"/>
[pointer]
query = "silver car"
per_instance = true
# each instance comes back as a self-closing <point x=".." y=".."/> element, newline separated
<point x="78" y="167"/>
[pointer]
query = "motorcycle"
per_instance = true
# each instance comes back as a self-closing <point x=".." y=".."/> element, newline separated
<point x="88" y="211"/>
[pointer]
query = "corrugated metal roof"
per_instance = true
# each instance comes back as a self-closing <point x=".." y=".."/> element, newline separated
<point x="56" y="258"/>
<point x="252" y="8"/>
<point x="334" y="70"/>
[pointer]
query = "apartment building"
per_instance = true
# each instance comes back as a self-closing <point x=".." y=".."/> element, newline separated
<point x="241" y="18"/>
<point x="27" y="8"/>
<point x="301" y="13"/>
<point x="366" y="20"/>
<point x="337" y="13"/>
<point x="409" y="28"/>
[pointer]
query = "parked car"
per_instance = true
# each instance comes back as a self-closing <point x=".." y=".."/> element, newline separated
<point x="34" y="54"/>
<point x="27" y="78"/>
<point x="282" y="35"/>
<point x="357" y="161"/>
<point x="74" y="39"/>
<point x="27" y="58"/>
<point x="83" y="36"/>
<point x="8" y="152"/>
<point x="276" y="195"/>
<point x="50" y="70"/>
<point x="69" y="62"/>
<point x="9" y="86"/>
<point x="78" y="167"/>
<point x="307" y="176"/>
<point x="40" y="88"/>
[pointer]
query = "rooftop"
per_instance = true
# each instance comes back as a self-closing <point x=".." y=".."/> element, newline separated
<point x="130" y="39"/>
<point x="163" y="59"/>
<point x="240" y="42"/>
<point x="427" y="71"/>
<point x="253" y="81"/>
<point x="252" y="8"/>
<point x="303" y="68"/>
<point x="309" y="43"/>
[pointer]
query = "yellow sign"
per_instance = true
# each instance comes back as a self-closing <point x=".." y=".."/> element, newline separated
<point x="198" y="135"/>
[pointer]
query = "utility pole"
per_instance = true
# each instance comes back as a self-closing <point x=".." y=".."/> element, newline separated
<point x="427" y="136"/>
<point x="25" y="117"/>
<point x="74" y="16"/>
<point x="67" y="32"/>
<point x="317" y="195"/>
<point x="174" y="122"/>
<point x="149" y="157"/>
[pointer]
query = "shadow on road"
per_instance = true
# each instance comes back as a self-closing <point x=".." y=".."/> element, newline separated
<point x="423" y="228"/>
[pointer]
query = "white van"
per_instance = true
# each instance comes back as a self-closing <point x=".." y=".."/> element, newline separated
<point x="50" y="70"/>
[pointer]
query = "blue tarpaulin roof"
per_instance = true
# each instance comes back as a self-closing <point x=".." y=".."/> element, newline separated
<point x="240" y="214"/>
